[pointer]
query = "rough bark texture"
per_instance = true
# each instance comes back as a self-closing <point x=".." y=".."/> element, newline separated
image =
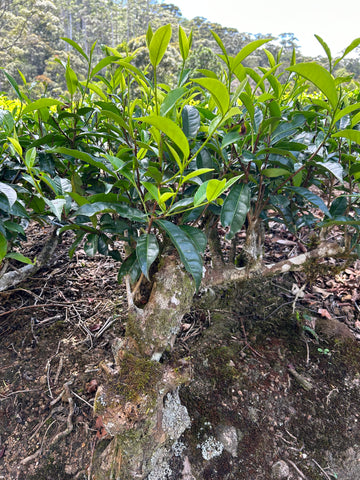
<point x="139" y="406"/>
<point x="154" y="328"/>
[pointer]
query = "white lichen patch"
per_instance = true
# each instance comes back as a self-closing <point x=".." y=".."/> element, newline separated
<point x="175" y="300"/>
<point x="211" y="448"/>
<point x="178" y="448"/>
<point x="160" y="469"/>
<point x="175" y="416"/>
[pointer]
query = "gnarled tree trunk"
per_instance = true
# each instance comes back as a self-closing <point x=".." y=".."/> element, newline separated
<point x="139" y="405"/>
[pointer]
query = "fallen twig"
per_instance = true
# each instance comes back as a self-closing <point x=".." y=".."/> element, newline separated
<point x="297" y="469"/>
<point x="322" y="470"/>
<point x="26" y="307"/>
<point x="300" y="379"/>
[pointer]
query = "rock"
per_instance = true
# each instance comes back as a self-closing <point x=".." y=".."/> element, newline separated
<point x="227" y="435"/>
<point x="280" y="470"/>
<point x="186" y="473"/>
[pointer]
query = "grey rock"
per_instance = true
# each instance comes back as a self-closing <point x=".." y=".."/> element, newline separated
<point x="228" y="436"/>
<point x="280" y="470"/>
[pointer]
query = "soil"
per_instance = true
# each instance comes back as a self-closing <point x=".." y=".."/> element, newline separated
<point x="275" y="388"/>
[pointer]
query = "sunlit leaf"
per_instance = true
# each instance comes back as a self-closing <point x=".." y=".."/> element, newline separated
<point x="158" y="45"/>
<point x="41" y="103"/>
<point x="218" y="91"/>
<point x="9" y="193"/>
<point x="352" y="135"/>
<point x="320" y="77"/>
<point x="171" y="129"/>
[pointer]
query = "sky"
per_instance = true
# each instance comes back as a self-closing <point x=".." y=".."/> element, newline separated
<point x="336" y="22"/>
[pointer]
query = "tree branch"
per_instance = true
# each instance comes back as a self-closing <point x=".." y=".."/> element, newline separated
<point x="214" y="278"/>
<point x="10" y="279"/>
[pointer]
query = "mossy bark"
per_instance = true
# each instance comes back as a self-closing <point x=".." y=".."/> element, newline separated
<point x="155" y="327"/>
<point x="131" y="404"/>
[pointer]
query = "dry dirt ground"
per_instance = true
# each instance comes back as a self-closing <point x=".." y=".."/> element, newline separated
<point x="275" y="389"/>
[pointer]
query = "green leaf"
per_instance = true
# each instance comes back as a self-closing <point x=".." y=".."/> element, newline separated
<point x="188" y="252"/>
<point x="247" y="50"/>
<point x="149" y="35"/>
<point x="85" y="157"/>
<point x="352" y="135"/>
<point x="274" y="172"/>
<point x="3" y="246"/>
<point x="14" y="85"/>
<point x="355" y="170"/>
<point x="338" y="206"/>
<point x="9" y="193"/>
<point x="247" y="101"/>
<point x="325" y="47"/>
<point x="91" y="244"/>
<point x="76" y="46"/>
<point x="218" y="91"/>
<point x="197" y="236"/>
<point x="176" y="157"/>
<point x="190" y="121"/>
<point x="30" y="158"/>
<point x="41" y="103"/>
<point x="102" y="64"/>
<point x="310" y="197"/>
<point x="147" y="251"/>
<point x="76" y="243"/>
<point x="130" y="267"/>
<point x="15" y="143"/>
<point x="196" y="173"/>
<point x="320" y="77"/>
<point x="171" y="99"/>
<point x="215" y="188"/>
<point x="159" y="43"/>
<point x="56" y="206"/>
<point x="355" y="43"/>
<point x="235" y="209"/>
<point x="153" y="190"/>
<point x="71" y="80"/>
<point x="20" y="258"/>
<point x="90" y="209"/>
<point x="333" y="167"/>
<point x="220" y="43"/>
<point x="200" y="195"/>
<point x="346" y="111"/>
<point x="170" y="129"/>
<point x="230" y="138"/>
<point x="184" y="44"/>
<point x="6" y="121"/>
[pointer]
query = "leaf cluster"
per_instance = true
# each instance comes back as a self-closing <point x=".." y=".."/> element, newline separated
<point x="131" y="165"/>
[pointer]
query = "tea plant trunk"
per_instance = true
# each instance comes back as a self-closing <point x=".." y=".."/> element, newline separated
<point x="139" y="405"/>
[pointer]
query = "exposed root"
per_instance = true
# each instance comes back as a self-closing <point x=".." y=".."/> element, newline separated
<point x="70" y="425"/>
